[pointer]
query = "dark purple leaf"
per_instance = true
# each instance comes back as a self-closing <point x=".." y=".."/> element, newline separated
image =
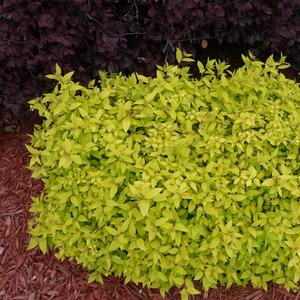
<point x="33" y="6"/>
<point x="243" y="6"/>
<point x="4" y="27"/>
<point x="178" y="15"/>
<point x="197" y="13"/>
<point x="125" y="62"/>
<point x="216" y="10"/>
<point x="190" y="4"/>
<point x="46" y="20"/>
<point x="14" y="108"/>
<point x="267" y="10"/>
<point x="79" y="2"/>
<point x="152" y="12"/>
<point x="219" y="12"/>
<point x="113" y="67"/>
<point x="283" y="31"/>
<point x="17" y="16"/>
<point x="8" y="3"/>
<point x="14" y="63"/>
<point x="211" y="8"/>
<point x="59" y="38"/>
<point x="113" y="40"/>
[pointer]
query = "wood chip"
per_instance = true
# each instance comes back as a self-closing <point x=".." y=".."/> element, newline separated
<point x="31" y="275"/>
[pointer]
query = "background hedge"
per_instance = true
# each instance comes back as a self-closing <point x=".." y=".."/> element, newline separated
<point x="126" y="36"/>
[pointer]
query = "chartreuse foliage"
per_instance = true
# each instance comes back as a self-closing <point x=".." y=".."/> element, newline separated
<point x="172" y="179"/>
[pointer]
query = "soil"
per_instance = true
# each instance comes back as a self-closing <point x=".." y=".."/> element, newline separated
<point x="30" y="275"/>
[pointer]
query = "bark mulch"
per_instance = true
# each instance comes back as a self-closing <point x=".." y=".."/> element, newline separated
<point x="30" y="275"/>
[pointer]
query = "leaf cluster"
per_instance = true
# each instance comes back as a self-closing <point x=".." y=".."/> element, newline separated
<point x="172" y="179"/>
<point x="130" y="36"/>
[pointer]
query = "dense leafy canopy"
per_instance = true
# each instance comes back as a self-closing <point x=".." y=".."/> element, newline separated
<point x="118" y="35"/>
<point x="172" y="179"/>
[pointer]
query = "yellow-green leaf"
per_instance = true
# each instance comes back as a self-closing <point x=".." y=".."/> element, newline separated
<point x="43" y="245"/>
<point x="126" y="124"/>
<point x="144" y="207"/>
<point x="178" y="55"/>
<point x="33" y="242"/>
<point x="76" y="159"/>
<point x="268" y="182"/>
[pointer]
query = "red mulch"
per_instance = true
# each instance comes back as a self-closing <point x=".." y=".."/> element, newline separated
<point x="30" y="275"/>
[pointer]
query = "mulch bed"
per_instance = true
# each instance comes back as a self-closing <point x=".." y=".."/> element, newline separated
<point x="30" y="275"/>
